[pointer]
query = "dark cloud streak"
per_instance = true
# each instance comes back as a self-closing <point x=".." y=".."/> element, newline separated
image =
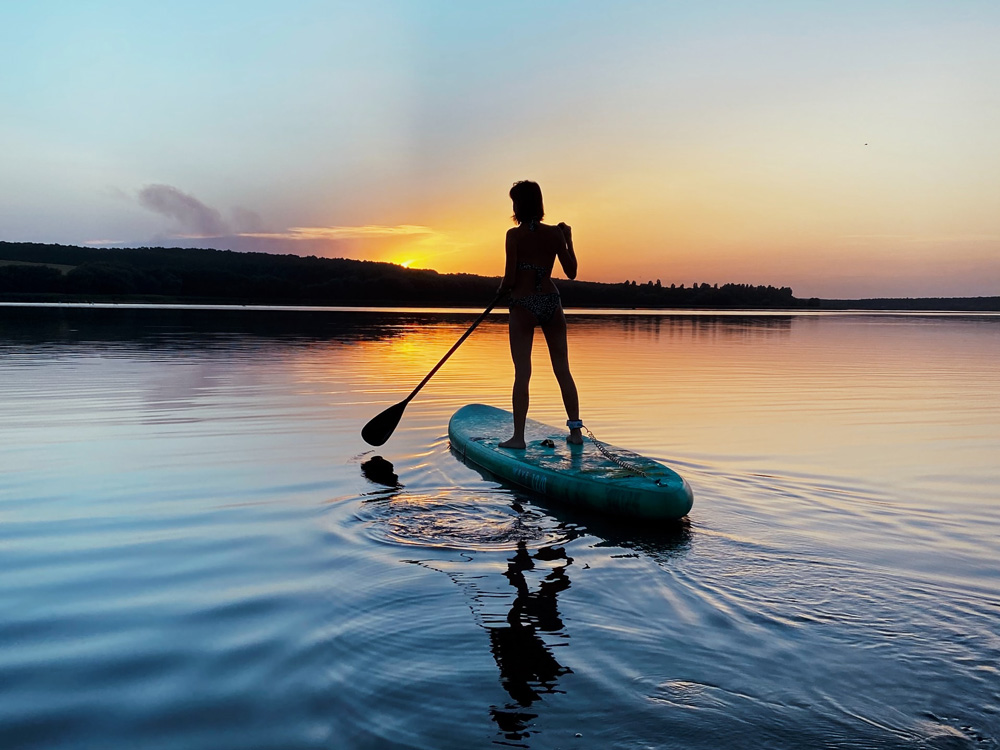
<point x="190" y="213"/>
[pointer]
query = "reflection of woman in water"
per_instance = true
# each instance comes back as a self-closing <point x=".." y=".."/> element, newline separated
<point x="527" y="665"/>
<point x="532" y="248"/>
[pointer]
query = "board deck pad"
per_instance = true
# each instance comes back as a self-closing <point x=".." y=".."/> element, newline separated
<point x="575" y="474"/>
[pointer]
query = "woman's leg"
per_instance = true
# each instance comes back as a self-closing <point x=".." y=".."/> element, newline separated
<point x="522" y="333"/>
<point x="555" y="337"/>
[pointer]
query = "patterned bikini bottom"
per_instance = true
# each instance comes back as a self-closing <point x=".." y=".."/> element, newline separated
<point x="542" y="306"/>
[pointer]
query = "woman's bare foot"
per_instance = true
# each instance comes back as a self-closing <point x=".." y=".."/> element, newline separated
<point x="575" y="437"/>
<point x="513" y="443"/>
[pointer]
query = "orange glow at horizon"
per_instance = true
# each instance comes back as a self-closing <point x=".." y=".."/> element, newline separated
<point x="842" y="226"/>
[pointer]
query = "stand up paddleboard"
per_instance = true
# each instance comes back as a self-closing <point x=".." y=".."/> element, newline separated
<point x="581" y="475"/>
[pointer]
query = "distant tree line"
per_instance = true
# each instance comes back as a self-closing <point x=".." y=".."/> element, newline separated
<point x="650" y="294"/>
<point x="202" y="275"/>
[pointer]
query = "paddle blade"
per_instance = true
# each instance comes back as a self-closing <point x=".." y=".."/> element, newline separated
<point x="381" y="427"/>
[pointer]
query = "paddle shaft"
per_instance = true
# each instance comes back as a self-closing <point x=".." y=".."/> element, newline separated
<point x="451" y="351"/>
<point x="380" y="428"/>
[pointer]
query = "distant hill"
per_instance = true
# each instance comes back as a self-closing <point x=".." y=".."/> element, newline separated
<point x="39" y="272"/>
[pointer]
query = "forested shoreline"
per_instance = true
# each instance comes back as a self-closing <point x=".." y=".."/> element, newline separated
<point x="40" y="272"/>
<point x="34" y="272"/>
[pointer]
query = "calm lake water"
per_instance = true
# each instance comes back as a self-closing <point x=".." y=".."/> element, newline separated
<point x="191" y="556"/>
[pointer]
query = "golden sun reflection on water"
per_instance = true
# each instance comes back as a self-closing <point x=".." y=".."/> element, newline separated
<point x="904" y="401"/>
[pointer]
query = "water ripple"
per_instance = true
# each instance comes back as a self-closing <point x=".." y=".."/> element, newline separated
<point x="457" y="518"/>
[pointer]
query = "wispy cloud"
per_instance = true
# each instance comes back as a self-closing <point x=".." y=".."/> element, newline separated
<point x="186" y="210"/>
<point x="195" y="220"/>
<point x="343" y="232"/>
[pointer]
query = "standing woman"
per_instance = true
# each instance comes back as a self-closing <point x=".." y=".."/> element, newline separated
<point x="532" y="249"/>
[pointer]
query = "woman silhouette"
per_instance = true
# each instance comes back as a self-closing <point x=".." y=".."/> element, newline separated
<point x="532" y="248"/>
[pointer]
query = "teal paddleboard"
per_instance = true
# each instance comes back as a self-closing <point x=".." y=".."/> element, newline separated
<point x="578" y="475"/>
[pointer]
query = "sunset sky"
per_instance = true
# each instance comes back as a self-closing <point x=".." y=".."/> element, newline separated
<point x="845" y="149"/>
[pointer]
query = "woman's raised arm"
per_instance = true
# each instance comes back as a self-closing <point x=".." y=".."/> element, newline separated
<point x="567" y="258"/>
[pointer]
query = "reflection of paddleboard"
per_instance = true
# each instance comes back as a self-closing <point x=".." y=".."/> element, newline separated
<point x="576" y="474"/>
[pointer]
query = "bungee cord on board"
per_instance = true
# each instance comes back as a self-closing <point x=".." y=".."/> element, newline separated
<point x="608" y="454"/>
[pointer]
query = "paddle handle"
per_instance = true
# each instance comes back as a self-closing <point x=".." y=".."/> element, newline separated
<point x="451" y="351"/>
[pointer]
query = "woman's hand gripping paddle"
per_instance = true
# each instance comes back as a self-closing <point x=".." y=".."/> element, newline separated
<point x="381" y="427"/>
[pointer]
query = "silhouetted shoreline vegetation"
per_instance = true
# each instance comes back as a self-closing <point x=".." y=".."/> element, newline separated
<point x="33" y="272"/>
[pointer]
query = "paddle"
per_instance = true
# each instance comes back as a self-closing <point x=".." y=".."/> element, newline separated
<point x="381" y="427"/>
